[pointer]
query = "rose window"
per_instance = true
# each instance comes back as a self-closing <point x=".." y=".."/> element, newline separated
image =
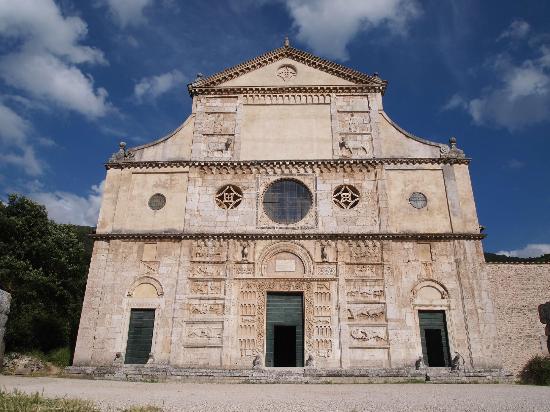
<point x="287" y="201"/>
<point x="346" y="196"/>
<point x="229" y="197"/>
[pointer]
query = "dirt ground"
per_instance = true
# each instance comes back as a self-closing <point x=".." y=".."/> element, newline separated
<point x="174" y="396"/>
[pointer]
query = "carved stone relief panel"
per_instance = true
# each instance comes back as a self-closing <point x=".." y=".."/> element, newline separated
<point x="219" y="147"/>
<point x="149" y="268"/>
<point x="207" y="271"/>
<point x="209" y="250"/>
<point x="206" y="287"/>
<point x="368" y="336"/>
<point x="325" y="270"/>
<point x="323" y="303"/>
<point x="215" y="128"/>
<point x="366" y="313"/>
<point x="365" y="271"/>
<point x="325" y="251"/>
<point x="216" y="123"/>
<point x="247" y="320"/>
<point x="364" y="251"/>
<point x="365" y="290"/>
<point x="205" y="308"/>
<point x="243" y="270"/>
<point x="200" y="334"/>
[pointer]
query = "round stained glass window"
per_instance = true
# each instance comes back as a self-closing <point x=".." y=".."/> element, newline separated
<point x="287" y="201"/>
<point x="157" y="201"/>
<point x="418" y="200"/>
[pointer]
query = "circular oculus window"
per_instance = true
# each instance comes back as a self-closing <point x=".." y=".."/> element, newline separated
<point x="157" y="201"/>
<point x="418" y="200"/>
<point x="287" y="201"/>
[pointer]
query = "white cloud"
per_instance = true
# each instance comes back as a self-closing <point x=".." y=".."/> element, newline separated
<point x="128" y="12"/>
<point x="149" y="88"/>
<point x="44" y="64"/>
<point x="327" y="26"/>
<point x="518" y="97"/>
<point x="16" y="150"/>
<point x="65" y="207"/>
<point x="518" y="29"/>
<point x="531" y="250"/>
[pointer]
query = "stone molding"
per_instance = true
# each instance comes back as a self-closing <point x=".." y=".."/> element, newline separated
<point x="281" y="53"/>
<point x="291" y="236"/>
<point x="285" y="166"/>
<point x="359" y="89"/>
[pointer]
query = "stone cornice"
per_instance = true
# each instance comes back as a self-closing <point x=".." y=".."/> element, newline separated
<point x="286" y="90"/>
<point x="354" y="76"/>
<point x="291" y="236"/>
<point x="283" y="166"/>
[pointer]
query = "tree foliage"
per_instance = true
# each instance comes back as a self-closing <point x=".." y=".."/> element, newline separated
<point x="495" y="258"/>
<point x="43" y="265"/>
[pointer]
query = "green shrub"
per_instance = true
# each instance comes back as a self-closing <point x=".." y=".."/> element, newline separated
<point x="536" y="371"/>
<point x="60" y="357"/>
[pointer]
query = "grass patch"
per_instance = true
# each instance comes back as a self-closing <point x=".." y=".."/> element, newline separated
<point x="18" y="401"/>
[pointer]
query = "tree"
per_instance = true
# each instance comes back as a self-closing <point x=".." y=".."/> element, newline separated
<point x="44" y="266"/>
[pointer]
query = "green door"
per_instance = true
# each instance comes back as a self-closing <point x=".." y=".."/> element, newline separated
<point x="285" y="330"/>
<point x="434" y="339"/>
<point x="140" y="336"/>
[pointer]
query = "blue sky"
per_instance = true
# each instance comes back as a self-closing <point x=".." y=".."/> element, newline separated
<point x="76" y="77"/>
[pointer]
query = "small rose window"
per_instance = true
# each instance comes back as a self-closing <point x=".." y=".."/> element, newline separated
<point x="346" y="196"/>
<point x="418" y="200"/>
<point x="157" y="201"/>
<point x="229" y="197"/>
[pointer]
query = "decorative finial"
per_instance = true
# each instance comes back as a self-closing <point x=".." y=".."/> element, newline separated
<point x="287" y="42"/>
<point x="452" y="142"/>
<point x="122" y="145"/>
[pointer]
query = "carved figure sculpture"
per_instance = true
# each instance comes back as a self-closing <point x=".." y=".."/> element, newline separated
<point x="419" y="364"/>
<point x="352" y="147"/>
<point x="455" y="362"/>
<point x="257" y="363"/>
<point x="122" y="154"/>
<point x="218" y="149"/>
<point x="244" y="252"/>
<point x="310" y="361"/>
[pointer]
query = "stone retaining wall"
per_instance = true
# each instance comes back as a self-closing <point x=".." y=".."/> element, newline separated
<point x="517" y="291"/>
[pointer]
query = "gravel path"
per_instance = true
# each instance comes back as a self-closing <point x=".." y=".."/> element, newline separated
<point x="174" y="396"/>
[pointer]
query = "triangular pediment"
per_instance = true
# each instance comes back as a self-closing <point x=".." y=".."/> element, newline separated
<point x="284" y="67"/>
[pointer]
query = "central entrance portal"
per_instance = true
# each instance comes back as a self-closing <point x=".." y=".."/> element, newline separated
<point x="285" y="330"/>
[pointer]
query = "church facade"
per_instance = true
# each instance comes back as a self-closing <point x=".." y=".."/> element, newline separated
<point x="288" y="221"/>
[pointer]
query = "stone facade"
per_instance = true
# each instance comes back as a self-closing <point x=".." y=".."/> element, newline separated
<point x="391" y="229"/>
<point x="517" y="290"/>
